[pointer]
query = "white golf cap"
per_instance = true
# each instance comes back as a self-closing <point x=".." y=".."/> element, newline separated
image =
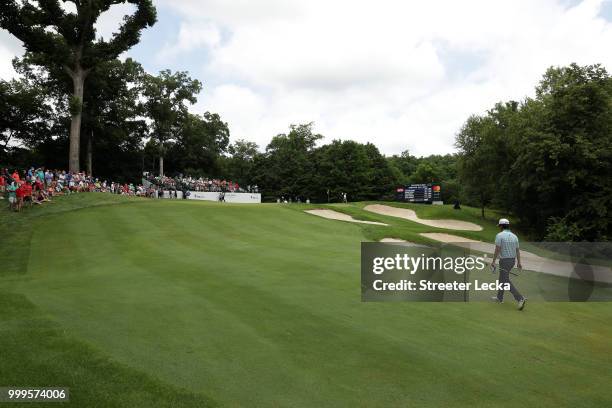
<point x="503" y="221"/>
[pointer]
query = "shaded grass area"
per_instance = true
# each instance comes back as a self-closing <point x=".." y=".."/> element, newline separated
<point x="259" y="305"/>
<point x="36" y="351"/>
<point x="16" y="228"/>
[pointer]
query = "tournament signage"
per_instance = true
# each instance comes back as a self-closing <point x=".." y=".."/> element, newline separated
<point x="244" y="198"/>
<point x="419" y="193"/>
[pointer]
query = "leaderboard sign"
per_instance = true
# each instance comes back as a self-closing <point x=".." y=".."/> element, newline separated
<point x="419" y="193"/>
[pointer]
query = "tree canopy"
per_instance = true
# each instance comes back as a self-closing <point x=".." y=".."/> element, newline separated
<point x="548" y="160"/>
<point x="166" y="98"/>
<point x="67" y="40"/>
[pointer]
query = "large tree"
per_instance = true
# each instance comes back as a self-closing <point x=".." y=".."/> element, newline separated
<point x="112" y="115"/>
<point x="477" y="162"/>
<point x="68" y="39"/>
<point x="166" y="97"/>
<point x="112" y="122"/>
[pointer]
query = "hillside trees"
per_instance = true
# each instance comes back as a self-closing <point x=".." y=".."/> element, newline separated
<point x="286" y="167"/>
<point x="547" y="160"/>
<point x="26" y="114"/>
<point x="166" y="98"/>
<point x="200" y="142"/>
<point x="293" y="166"/>
<point x="65" y="39"/>
<point x="239" y="165"/>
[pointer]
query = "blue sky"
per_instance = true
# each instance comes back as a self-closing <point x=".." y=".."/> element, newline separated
<point x="404" y="75"/>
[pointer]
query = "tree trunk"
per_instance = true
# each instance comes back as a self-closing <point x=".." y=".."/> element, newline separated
<point x="482" y="205"/>
<point x="78" y="81"/>
<point x="161" y="166"/>
<point x="90" y="154"/>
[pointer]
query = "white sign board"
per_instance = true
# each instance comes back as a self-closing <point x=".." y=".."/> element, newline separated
<point x="170" y="194"/>
<point x="245" y="198"/>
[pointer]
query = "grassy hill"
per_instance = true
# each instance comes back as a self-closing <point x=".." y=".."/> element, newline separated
<point x="180" y="303"/>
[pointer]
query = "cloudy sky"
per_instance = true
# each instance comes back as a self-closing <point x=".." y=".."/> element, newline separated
<point x="401" y="74"/>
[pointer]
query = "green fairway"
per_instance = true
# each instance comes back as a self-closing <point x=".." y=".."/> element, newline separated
<point x="182" y="303"/>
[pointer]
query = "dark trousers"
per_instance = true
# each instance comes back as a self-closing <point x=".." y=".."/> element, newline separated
<point x="505" y="266"/>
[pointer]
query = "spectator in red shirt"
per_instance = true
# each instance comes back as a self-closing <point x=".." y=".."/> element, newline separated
<point x="27" y="193"/>
<point x="20" y="193"/>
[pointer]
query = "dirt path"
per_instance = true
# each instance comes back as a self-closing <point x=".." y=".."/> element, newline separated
<point x="531" y="261"/>
<point x="335" y="215"/>
<point x="412" y="216"/>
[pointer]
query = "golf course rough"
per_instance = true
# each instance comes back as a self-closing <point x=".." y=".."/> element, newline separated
<point x="259" y="305"/>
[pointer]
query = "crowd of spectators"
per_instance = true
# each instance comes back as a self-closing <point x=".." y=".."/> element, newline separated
<point x="39" y="185"/>
<point x="199" y="184"/>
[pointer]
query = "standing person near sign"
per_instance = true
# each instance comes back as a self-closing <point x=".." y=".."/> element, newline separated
<point x="507" y="248"/>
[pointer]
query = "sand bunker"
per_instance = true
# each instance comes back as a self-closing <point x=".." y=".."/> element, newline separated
<point x="335" y="215"/>
<point x="411" y="215"/>
<point x="531" y="261"/>
<point x="449" y="238"/>
<point x="394" y="240"/>
<point x="398" y="241"/>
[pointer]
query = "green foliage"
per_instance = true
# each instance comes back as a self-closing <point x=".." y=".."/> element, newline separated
<point x="560" y="230"/>
<point x="239" y="166"/>
<point x="294" y="167"/>
<point x="166" y="98"/>
<point x="287" y="168"/>
<point x="69" y="39"/>
<point x="200" y="141"/>
<point x="405" y="164"/>
<point x="26" y="114"/>
<point x="548" y="160"/>
<point x="65" y="43"/>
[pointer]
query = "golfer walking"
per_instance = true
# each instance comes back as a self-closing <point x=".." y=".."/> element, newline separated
<point x="507" y="248"/>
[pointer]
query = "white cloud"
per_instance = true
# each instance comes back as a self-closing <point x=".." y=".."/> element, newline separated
<point x="377" y="71"/>
<point x="191" y="36"/>
<point x="9" y="48"/>
<point x="109" y="22"/>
